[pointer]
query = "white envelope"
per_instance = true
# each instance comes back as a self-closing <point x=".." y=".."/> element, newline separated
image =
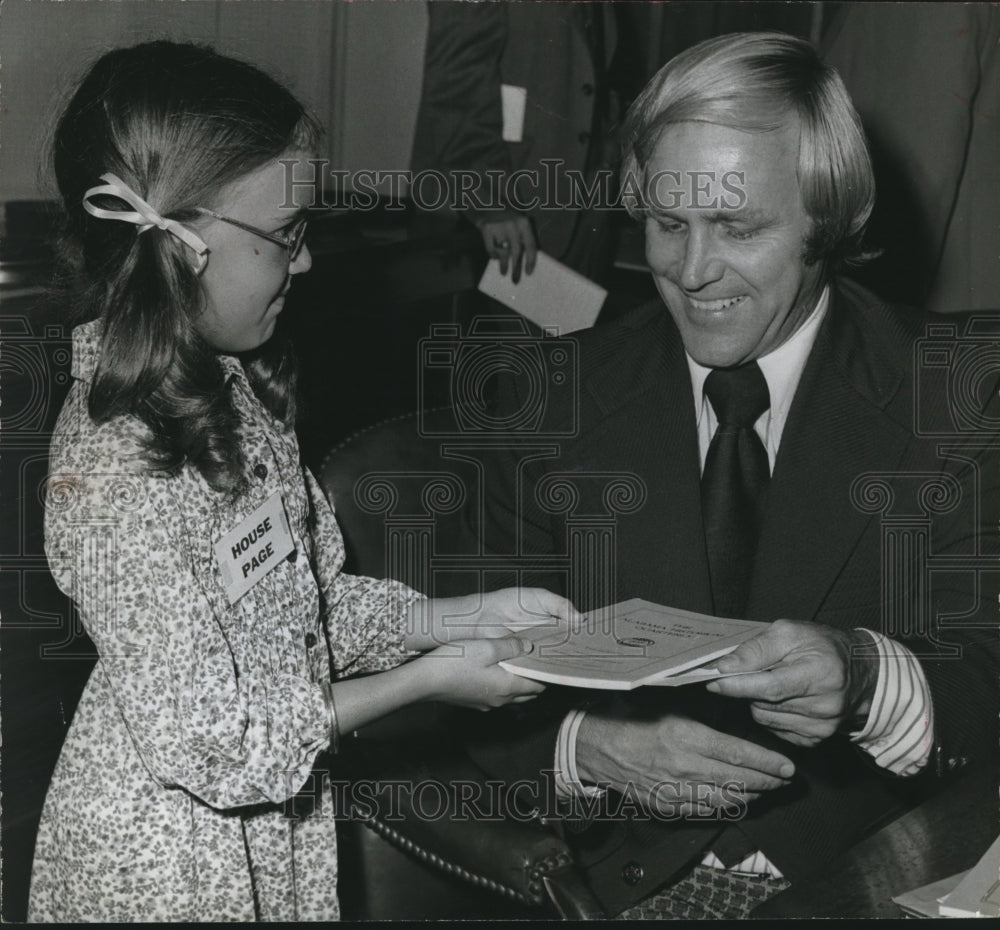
<point x="553" y="296"/>
<point x="513" y="101"/>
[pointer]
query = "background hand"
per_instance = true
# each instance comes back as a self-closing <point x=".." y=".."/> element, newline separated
<point x="466" y="673"/>
<point x="815" y="688"/>
<point x="509" y="238"/>
<point x="675" y="764"/>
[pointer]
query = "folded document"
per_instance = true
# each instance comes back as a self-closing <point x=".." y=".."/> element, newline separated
<point x="553" y="296"/>
<point x="631" y="644"/>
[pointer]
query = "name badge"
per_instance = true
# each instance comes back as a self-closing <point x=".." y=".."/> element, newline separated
<point x="253" y="547"/>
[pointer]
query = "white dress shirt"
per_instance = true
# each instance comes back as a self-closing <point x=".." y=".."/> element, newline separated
<point x="899" y="730"/>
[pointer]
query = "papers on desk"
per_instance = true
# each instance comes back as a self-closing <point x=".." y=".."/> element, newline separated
<point x="553" y="296"/>
<point x="975" y="893"/>
<point x="925" y="901"/>
<point x="978" y="893"/>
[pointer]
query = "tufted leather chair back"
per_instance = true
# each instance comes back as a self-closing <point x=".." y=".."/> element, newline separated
<point x="403" y="501"/>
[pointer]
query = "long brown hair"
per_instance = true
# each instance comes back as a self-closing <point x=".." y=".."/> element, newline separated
<point x="176" y="122"/>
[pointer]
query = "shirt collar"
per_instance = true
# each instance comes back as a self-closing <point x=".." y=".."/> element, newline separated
<point x="232" y="366"/>
<point x="782" y="367"/>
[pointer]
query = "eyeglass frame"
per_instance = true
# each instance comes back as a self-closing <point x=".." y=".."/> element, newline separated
<point x="292" y="243"/>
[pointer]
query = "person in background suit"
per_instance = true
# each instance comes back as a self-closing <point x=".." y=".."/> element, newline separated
<point x="566" y="65"/>
<point x="926" y="81"/>
<point x="794" y="455"/>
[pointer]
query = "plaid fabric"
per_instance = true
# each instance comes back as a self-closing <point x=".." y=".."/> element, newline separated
<point x="707" y="893"/>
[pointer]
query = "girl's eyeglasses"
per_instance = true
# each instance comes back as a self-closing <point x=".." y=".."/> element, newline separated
<point x="292" y="240"/>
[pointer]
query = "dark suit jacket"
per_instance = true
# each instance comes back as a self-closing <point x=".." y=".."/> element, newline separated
<point x="934" y="144"/>
<point x="546" y="48"/>
<point x="881" y="461"/>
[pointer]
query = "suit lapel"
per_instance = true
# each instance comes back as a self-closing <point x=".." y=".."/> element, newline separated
<point x="838" y="430"/>
<point x="648" y="427"/>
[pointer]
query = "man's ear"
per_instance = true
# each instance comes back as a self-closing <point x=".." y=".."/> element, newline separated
<point x="812" y="244"/>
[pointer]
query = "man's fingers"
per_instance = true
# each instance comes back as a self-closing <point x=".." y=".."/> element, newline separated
<point x="512" y="243"/>
<point x="798" y="739"/>
<point x="802" y="725"/>
<point x="530" y="248"/>
<point x="524" y="236"/>
<point x="505" y="243"/>
<point x="746" y="779"/>
<point x="742" y="755"/>
<point x="758" y="653"/>
<point x="790" y="680"/>
<point x="517" y="251"/>
<point x="820" y="707"/>
<point x="496" y="239"/>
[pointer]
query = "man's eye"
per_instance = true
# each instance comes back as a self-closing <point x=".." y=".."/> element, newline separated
<point x="740" y="234"/>
<point x="670" y="226"/>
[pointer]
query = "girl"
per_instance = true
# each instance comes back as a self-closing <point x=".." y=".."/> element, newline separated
<point x="203" y="558"/>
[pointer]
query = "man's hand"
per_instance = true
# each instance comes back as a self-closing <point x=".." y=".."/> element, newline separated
<point x="813" y="684"/>
<point x="509" y="238"/>
<point x="675" y="765"/>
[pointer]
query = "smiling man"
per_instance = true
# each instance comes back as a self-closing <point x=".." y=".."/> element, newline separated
<point x="782" y="431"/>
<point x="736" y="281"/>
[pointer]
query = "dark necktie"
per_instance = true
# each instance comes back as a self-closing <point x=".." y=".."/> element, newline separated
<point x="734" y="484"/>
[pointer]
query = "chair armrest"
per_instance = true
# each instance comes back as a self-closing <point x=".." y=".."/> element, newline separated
<point x="453" y="828"/>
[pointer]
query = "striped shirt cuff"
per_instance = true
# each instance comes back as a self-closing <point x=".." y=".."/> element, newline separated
<point x="567" y="778"/>
<point x="899" y="732"/>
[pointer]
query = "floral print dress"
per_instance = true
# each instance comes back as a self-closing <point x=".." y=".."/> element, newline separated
<point x="202" y="719"/>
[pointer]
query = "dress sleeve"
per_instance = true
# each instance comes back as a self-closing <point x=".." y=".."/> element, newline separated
<point x="231" y="719"/>
<point x="366" y="617"/>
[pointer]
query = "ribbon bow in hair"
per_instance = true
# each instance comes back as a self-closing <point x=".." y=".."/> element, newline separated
<point x="144" y="216"/>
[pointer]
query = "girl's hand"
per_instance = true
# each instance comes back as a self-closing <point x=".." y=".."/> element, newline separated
<point x="500" y="613"/>
<point x="432" y="623"/>
<point x="466" y="673"/>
